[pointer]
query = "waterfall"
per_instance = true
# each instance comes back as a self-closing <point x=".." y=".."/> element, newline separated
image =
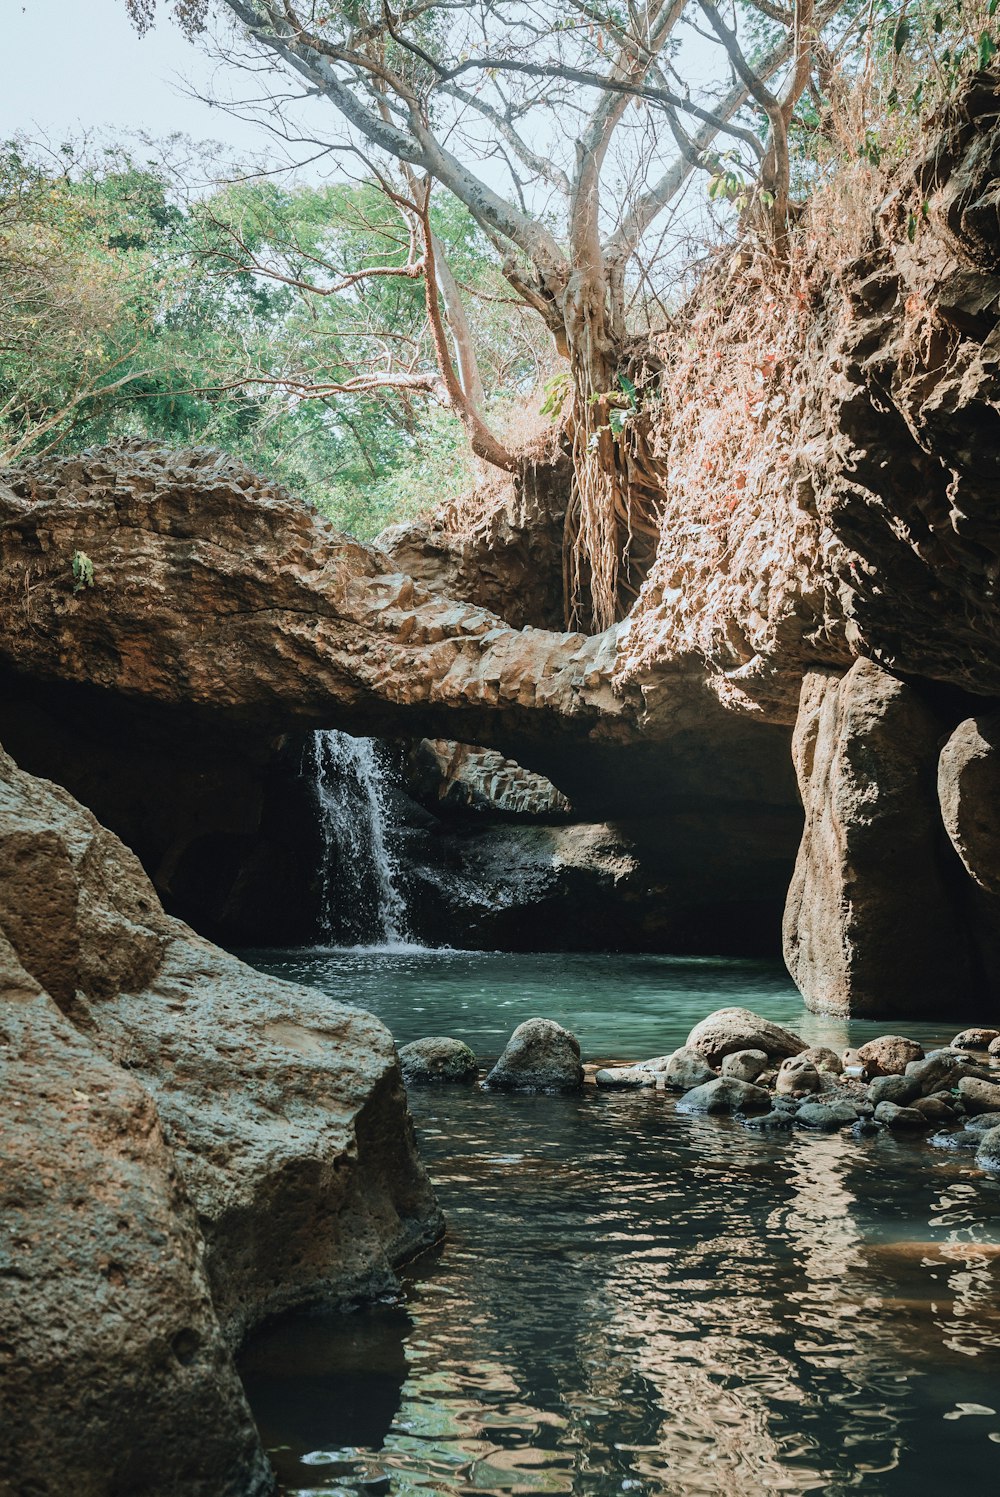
<point x="359" y="899"/>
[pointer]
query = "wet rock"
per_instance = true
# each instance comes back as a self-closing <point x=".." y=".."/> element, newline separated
<point x="899" y="1089"/>
<point x="889" y="1055"/>
<point x="725" y="1094"/>
<point x="437" y="1058"/>
<point x="824" y="1059"/>
<point x="899" y="1118"/>
<point x="685" y="1069"/>
<point x="975" y="1039"/>
<point x="963" y="1139"/>
<point x="981" y="1123"/>
<point x="978" y="1095"/>
<point x="941" y="1070"/>
<point x="540" y="1056"/>
<point x="994" y="1047"/>
<point x="770" y="1122"/>
<point x="867" y="1127"/>
<point x="826" y="1117"/>
<point x="936" y="1109"/>
<point x="797" y="1077"/>
<point x="988" y="1152"/>
<point x="624" y="1077"/>
<point x="745" y="1065"/>
<point x="731" y="1029"/>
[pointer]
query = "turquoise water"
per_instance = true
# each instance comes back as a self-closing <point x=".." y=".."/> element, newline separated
<point x="629" y="1300"/>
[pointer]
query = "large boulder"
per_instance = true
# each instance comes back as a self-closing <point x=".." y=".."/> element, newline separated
<point x="437" y="1058"/>
<point x="730" y="1029"/>
<point x="117" y="1375"/>
<point x="870" y="923"/>
<point x="540" y="1056"/>
<point x="286" y="1130"/>
<point x="889" y="1054"/>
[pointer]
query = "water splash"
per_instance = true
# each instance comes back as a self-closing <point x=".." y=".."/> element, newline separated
<point x="359" y="898"/>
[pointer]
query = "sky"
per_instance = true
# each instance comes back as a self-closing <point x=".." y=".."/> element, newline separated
<point x="66" y="65"/>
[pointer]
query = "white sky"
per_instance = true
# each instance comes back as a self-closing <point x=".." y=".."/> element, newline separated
<point x="66" y="65"/>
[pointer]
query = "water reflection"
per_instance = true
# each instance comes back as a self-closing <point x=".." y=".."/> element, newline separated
<point x="631" y="1301"/>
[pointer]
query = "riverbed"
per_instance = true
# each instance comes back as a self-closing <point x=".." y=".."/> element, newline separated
<point x="629" y="1300"/>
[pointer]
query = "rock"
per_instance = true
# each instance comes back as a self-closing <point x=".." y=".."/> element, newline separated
<point x="540" y="1056"/>
<point x="853" y="1065"/>
<point x="994" y="1047"/>
<point x="824" y="1059"/>
<point x="796" y="1077"/>
<point x="870" y="925"/>
<point x="975" y="1039"/>
<point x="935" y="1109"/>
<point x="899" y="1117"/>
<point x="117" y="1376"/>
<point x="770" y="1122"/>
<point x="285" y="1171"/>
<point x="725" y="1094"/>
<point x="978" y="1095"/>
<point x="982" y="1123"/>
<point x="827" y="1116"/>
<point x="961" y="1140"/>
<point x="437" y="1059"/>
<point x="867" y="1127"/>
<point x="940" y="1070"/>
<point x="732" y="1029"/>
<point x="899" y="1089"/>
<point x="889" y="1055"/>
<point x="625" y="1076"/>
<point x="745" y="1065"/>
<point x="685" y="1069"/>
<point x="988" y="1152"/>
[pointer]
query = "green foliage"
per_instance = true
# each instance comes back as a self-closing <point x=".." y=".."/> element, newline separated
<point x="127" y="311"/>
<point x="83" y="571"/>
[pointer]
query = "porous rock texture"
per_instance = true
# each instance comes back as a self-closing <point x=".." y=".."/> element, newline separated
<point x="191" y="1147"/>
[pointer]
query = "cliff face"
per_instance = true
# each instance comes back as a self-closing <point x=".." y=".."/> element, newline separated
<point x="190" y="1147"/>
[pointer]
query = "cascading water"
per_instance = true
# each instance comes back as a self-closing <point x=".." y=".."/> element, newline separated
<point x="359" y="899"/>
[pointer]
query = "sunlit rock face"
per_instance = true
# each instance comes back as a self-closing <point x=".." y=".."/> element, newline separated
<point x="192" y="1147"/>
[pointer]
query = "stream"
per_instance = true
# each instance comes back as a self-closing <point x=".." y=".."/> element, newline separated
<point x="634" y="1301"/>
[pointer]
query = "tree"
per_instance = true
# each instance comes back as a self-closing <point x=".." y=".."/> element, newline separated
<point x="543" y="94"/>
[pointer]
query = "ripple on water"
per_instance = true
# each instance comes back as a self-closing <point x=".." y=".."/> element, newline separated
<point x="632" y="1301"/>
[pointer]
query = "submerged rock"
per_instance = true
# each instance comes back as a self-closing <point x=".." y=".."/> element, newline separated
<point x="988" y="1152"/>
<point x="437" y="1059"/>
<point x="827" y="1116"/>
<point x="725" y="1094"/>
<point x="731" y="1029"/>
<point x="625" y="1077"/>
<point x="540" y="1056"/>
<point x="890" y="1055"/>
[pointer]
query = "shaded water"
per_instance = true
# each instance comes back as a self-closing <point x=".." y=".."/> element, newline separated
<point x="632" y="1301"/>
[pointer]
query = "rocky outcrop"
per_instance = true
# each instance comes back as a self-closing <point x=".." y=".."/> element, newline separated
<point x="871" y="925"/>
<point x="459" y="778"/>
<point x="229" y="1145"/>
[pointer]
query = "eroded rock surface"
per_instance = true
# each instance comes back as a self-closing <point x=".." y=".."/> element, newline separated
<point x="147" y="1065"/>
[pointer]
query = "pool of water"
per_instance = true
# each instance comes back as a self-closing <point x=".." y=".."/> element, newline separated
<point x="629" y="1300"/>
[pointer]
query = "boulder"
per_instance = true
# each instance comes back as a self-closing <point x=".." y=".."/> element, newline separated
<point x="685" y="1069"/>
<point x="253" y="1137"/>
<point x="731" y="1029"/>
<point x="941" y="1070"/>
<point x="827" y="1117"/>
<point x="975" y="1039"/>
<point x="437" y="1059"/>
<point x="770" y="1122"/>
<point x="899" y="1089"/>
<point x="936" y="1109"/>
<point x="889" y="1055"/>
<point x="824" y="1059"/>
<point x="994" y="1047"/>
<point x="870" y="924"/>
<point x="978" y="1095"/>
<point x="797" y="1077"/>
<point x="745" y="1065"/>
<point x="725" y="1094"/>
<point x="540" y="1056"/>
<point x="899" y="1118"/>
<point x="988" y="1150"/>
<point x="625" y="1077"/>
